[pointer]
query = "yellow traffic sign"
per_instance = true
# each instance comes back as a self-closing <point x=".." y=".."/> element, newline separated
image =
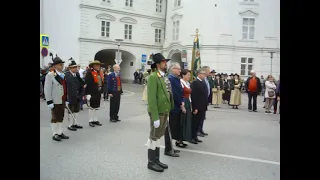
<point x="44" y="40"/>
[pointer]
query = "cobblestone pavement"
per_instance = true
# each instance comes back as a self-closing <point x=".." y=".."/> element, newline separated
<point x="241" y="145"/>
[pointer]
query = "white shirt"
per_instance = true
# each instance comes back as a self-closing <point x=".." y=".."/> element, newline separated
<point x="81" y="72"/>
<point x="73" y="74"/>
<point x="162" y="73"/>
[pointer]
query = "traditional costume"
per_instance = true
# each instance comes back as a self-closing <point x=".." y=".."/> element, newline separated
<point x="75" y="90"/>
<point x="159" y="105"/>
<point x="217" y="91"/>
<point x="114" y="88"/>
<point x="93" y="91"/>
<point x="235" y="99"/>
<point x="226" y="89"/>
<point x="55" y="89"/>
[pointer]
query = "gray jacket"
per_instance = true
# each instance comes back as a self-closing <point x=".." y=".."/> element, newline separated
<point x="53" y="89"/>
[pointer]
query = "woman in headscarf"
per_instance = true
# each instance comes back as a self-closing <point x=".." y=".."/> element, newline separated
<point x="235" y="99"/>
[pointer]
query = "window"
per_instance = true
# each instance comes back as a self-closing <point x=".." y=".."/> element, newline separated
<point x="105" y="29"/>
<point x="108" y="1"/>
<point x="248" y="28"/>
<point x="157" y="33"/>
<point x="129" y="3"/>
<point x="158" y="5"/>
<point x="175" y="30"/>
<point x="127" y="31"/>
<point x="248" y="0"/>
<point x="177" y="3"/>
<point x="246" y="66"/>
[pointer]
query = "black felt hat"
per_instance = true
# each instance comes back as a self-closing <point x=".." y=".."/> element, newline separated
<point x="57" y="60"/>
<point x="157" y="58"/>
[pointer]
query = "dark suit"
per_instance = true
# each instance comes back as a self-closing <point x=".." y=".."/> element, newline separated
<point x="116" y="90"/>
<point x="74" y="90"/>
<point x="199" y="101"/>
<point x="175" y="113"/>
<point x="93" y="89"/>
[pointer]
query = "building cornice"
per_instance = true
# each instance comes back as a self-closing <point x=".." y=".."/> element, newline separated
<point x="181" y="47"/>
<point x="121" y="12"/>
<point x="222" y="47"/>
<point x="105" y="41"/>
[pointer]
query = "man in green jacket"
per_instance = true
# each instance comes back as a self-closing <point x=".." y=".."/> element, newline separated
<point x="159" y="105"/>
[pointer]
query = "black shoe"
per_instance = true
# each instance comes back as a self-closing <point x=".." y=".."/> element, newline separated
<point x="91" y="124"/>
<point x="198" y="140"/>
<point x="62" y="136"/>
<point x="193" y="141"/>
<point x="200" y="134"/>
<point x="77" y="126"/>
<point x="255" y="111"/>
<point x="185" y="145"/>
<point x="176" y="151"/>
<point x="250" y="110"/>
<point x="205" y="134"/>
<point x="113" y="120"/>
<point x="171" y="153"/>
<point x="237" y="107"/>
<point x="56" y="137"/>
<point x="180" y="145"/>
<point x="97" y="123"/>
<point x="152" y="164"/>
<point x="164" y="166"/>
<point x="71" y="128"/>
<point x="118" y="120"/>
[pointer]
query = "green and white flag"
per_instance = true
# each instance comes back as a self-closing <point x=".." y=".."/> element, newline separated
<point x="196" y="60"/>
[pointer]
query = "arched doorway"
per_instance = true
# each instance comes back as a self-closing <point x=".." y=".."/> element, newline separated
<point x="107" y="56"/>
<point x="176" y="57"/>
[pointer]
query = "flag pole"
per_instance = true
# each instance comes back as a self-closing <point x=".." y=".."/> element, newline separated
<point x="194" y="54"/>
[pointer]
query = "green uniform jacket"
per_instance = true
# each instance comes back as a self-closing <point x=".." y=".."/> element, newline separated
<point x="159" y="99"/>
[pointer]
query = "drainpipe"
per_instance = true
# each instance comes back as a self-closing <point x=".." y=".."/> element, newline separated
<point x="165" y="24"/>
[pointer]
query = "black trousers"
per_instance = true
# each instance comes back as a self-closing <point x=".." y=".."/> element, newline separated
<point x="176" y="130"/>
<point x="252" y="95"/>
<point x="115" y="105"/>
<point x="196" y="119"/>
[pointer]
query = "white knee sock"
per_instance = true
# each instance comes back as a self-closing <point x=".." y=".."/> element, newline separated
<point x="95" y="117"/>
<point x="91" y="115"/>
<point x="151" y="144"/>
<point x="59" y="128"/>
<point x="157" y="143"/>
<point x="54" y="128"/>
<point x="70" y="119"/>
<point x="75" y="122"/>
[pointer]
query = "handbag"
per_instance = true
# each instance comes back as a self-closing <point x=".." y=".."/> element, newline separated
<point x="214" y="90"/>
<point x="270" y="93"/>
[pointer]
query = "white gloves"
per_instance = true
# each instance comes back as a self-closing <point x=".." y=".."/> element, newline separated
<point x="50" y="106"/>
<point x="67" y="102"/>
<point x="156" y="123"/>
<point x="88" y="97"/>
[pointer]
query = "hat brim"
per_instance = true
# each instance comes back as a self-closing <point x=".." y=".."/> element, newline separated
<point x="95" y="63"/>
<point x="62" y="62"/>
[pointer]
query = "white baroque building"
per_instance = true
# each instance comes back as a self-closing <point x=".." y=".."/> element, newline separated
<point x="235" y="35"/>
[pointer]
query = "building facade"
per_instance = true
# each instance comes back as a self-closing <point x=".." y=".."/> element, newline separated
<point x="235" y="36"/>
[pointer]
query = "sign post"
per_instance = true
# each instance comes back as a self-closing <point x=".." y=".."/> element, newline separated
<point x="44" y="40"/>
<point x="44" y="43"/>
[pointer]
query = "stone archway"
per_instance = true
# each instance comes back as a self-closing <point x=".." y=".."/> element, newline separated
<point x="176" y="57"/>
<point x="107" y="56"/>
